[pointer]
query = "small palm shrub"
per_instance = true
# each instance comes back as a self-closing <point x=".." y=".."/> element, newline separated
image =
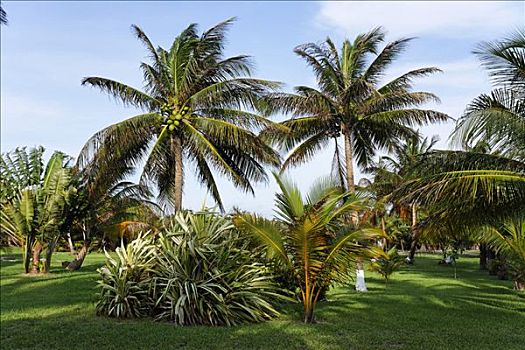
<point x="201" y="273"/>
<point x="387" y="263"/>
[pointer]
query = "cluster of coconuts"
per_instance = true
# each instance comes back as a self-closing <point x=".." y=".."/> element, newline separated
<point x="173" y="116"/>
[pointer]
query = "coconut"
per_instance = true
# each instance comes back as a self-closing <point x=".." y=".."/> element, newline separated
<point x="170" y="121"/>
<point x="176" y="123"/>
<point x="178" y="117"/>
<point x="172" y="127"/>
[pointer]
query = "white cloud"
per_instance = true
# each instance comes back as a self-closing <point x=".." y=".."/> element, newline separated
<point x="439" y="18"/>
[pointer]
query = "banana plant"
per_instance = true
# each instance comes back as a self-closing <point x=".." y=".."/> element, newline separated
<point x="35" y="213"/>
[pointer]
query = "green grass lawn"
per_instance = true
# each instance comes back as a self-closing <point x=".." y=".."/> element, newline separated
<point x="423" y="308"/>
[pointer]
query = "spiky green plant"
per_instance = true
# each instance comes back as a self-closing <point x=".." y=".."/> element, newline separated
<point x="309" y="238"/>
<point x="198" y="112"/>
<point x="124" y="287"/>
<point x="351" y="101"/>
<point x="197" y="271"/>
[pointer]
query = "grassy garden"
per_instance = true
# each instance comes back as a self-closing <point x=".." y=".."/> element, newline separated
<point x="92" y="259"/>
<point x="423" y="307"/>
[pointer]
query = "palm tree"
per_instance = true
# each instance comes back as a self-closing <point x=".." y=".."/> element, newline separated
<point x="36" y="212"/>
<point x="489" y="188"/>
<point x="197" y="111"/>
<point x="390" y="172"/>
<point x="308" y="237"/>
<point x="3" y="16"/>
<point x="104" y="205"/>
<point x="351" y="102"/>
<point x="509" y="241"/>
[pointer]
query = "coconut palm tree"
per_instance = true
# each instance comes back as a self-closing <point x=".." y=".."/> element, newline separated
<point x="488" y="187"/>
<point x="3" y="16"/>
<point x="308" y="237"/>
<point x="198" y="111"/>
<point x="351" y="101"/>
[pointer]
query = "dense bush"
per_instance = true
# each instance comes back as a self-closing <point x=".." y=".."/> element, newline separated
<point x="195" y="272"/>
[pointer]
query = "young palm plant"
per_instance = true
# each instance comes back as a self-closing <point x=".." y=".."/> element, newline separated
<point x="509" y="241"/>
<point x="386" y="263"/>
<point x="351" y="101"/>
<point x="308" y="238"/>
<point x="197" y="112"/>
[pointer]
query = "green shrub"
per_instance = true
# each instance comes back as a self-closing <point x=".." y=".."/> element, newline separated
<point x="125" y="281"/>
<point x="387" y="263"/>
<point x="201" y="273"/>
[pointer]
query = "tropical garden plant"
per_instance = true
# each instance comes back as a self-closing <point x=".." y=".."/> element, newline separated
<point x="199" y="112"/>
<point x="197" y="271"/>
<point x="386" y="263"/>
<point x="351" y="101"/>
<point x="34" y="202"/>
<point x="310" y="238"/>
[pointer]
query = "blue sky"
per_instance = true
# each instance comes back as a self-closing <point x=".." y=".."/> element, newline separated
<point x="49" y="46"/>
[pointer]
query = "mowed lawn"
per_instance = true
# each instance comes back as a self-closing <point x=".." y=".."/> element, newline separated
<point x="423" y="308"/>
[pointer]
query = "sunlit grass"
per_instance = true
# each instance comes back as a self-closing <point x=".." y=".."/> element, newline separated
<point x="424" y="307"/>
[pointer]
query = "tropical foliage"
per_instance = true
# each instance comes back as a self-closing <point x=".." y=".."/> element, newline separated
<point x="351" y="101"/>
<point x="386" y="263"/>
<point x="198" y="271"/>
<point x="198" y="111"/>
<point x="309" y="237"/>
<point x="34" y="202"/>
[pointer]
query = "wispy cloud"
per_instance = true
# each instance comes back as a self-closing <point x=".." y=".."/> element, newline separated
<point x="436" y="18"/>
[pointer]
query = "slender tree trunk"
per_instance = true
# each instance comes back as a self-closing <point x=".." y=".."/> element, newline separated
<point x="70" y="244"/>
<point x="349" y="155"/>
<point x="27" y="253"/>
<point x="413" y="246"/>
<point x="482" y="257"/>
<point x="383" y="228"/>
<point x="49" y="254"/>
<point x="176" y="145"/>
<point x="37" y="249"/>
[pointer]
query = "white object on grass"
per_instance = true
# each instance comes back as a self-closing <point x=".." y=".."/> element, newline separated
<point x="360" y="284"/>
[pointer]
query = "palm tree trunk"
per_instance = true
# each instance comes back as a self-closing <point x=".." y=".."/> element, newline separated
<point x="27" y="253"/>
<point x="49" y="254"/>
<point x="70" y="244"/>
<point x="483" y="256"/>
<point x="413" y="246"/>
<point x="176" y="145"/>
<point x="37" y="249"/>
<point x="349" y="155"/>
<point x="79" y="259"/>
<point x="76" y="264"/>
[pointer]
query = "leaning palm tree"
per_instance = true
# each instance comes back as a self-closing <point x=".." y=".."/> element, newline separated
<point x="308" y="237"/>
<point x="198" y="111"/>
<point x="351" y="101"/>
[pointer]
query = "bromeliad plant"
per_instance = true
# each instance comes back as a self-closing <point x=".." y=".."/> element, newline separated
<point x="308" y="236"/>
<point x="199" y="111"/>
<point x="198" y="271"/>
